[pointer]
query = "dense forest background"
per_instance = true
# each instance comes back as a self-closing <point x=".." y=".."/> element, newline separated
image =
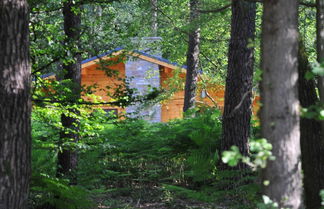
<point x="59" y="150"/>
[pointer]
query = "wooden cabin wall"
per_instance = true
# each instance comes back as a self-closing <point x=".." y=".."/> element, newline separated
<point x="215" y="93"/>
<point x="92" y="74"/>
<point x="173" y="107"/>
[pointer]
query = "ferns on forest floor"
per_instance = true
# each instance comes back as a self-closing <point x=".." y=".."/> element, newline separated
<point x="159" y="162"/>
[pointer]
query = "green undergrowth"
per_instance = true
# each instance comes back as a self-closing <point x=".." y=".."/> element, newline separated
<point x="131" y="162"/>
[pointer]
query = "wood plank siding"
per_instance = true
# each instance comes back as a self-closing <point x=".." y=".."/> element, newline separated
<point x="94" y="75"/>
<point x="171" y="108"/>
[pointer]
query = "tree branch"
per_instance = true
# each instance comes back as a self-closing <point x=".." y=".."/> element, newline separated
<point x="38" y="11"/>
<point x="78" y="103"/>
<point x="306" y="4"/>
<point x="82" y="2"/>
<point x="46" y="66"/>
<point x="237" y="107"/>
<point x="216" y="10"/>
<point x="207" y="94"/>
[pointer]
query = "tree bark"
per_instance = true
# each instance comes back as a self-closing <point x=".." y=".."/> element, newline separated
<point x="15" y="105"/>
<point x="320" y="59"/>
<point x="280" y="105"/>
<point x="192" y="57"/>
<point x="154" y="26"/>
<point x="238" y="91"/>
<point x="67" y="158"/>
<point x="320" y="44"/>
<point x="310" y="135"/>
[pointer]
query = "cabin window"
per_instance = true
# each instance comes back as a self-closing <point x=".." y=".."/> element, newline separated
<point x="111" y="112"/>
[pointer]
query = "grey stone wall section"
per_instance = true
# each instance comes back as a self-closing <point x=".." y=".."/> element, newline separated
<point x="143" y="75"/>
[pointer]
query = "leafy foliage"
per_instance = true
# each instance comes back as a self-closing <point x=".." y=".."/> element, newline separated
<point x="131" y="157"/>
<point x="57" y="193"/>
<point x="134" y="157"/>
<point x="179" y="150"/>
<point x="260" y="153"/>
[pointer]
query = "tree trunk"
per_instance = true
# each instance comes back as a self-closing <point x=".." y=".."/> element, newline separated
<point x="320" y="46"/>
<point x="280" y="105"/>
<point x="238" y="91"/>
<point x="192" y="57"/>
<point x="310" y="135"/>
<point x="154" y="5"/>
<point x="67" y="158"/>
<point x="15" y="105"/>
<point x="320" y="59"/>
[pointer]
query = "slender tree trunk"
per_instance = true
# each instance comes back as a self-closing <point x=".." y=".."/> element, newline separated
<point x="15" y="105"/>
<point x="238" y="91"/>
<point x="67" y="158"/>
<point x="320" y="45"/>
<point x="310" y="135"/>
<point x="280" y="105"/>
<point x="192" y="57"/>
<point x="154" y="5"/>
<point x="320" y="59"/>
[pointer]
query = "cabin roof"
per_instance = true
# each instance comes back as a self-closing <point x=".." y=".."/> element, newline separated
<point x="101" y="55"/>
<point x="135" y="53"/>
<point x="47" y="75"/>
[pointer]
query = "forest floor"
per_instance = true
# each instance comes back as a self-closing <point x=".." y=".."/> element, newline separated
<point x="178" y="204"/>
<point x="150" y="199"/>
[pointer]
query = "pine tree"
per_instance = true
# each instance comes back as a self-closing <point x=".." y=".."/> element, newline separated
<point x="15" y="105"/>
<point x="280" y="105"/>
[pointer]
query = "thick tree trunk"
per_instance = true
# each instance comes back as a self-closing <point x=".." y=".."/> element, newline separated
<point x="192" y="57"/>
<point x="67" y="158"/>
<point x="280" y="105"/>
<point x="238" y="91"/>
<point x="310" y="135"/>
<point x="15" y="105"/>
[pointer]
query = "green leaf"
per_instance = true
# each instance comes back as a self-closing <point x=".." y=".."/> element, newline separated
<point x="309" y="75"/>
<point x="318" y="69"/>
<point x="232" y="157"/>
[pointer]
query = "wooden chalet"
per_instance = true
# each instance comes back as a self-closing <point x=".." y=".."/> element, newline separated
<point x="146" y="71"/>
